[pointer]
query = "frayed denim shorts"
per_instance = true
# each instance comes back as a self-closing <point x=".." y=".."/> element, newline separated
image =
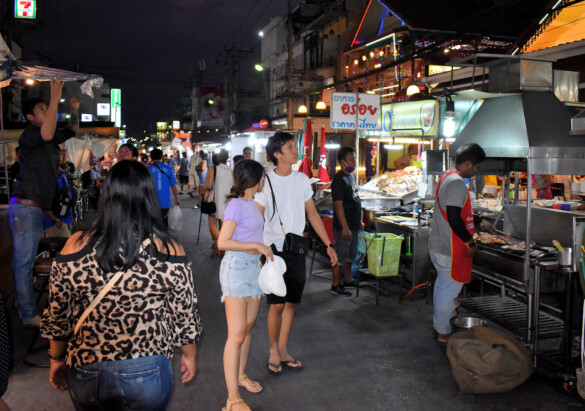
<point x="238" y="275"/>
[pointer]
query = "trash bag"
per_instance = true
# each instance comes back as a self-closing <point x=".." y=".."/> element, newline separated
<point x="485" y="361"/>
<point x="175" y="218"/>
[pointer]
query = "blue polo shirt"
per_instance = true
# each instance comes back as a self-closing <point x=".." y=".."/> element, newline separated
<point x="164" y="178"/>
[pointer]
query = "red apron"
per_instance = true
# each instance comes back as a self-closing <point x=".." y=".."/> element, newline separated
<point x="460" y="262"/>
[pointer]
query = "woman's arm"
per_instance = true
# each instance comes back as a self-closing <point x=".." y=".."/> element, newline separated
<point x="58" y="370"/>
<point x="226" y="242"/>
<point x="188" y="362"/>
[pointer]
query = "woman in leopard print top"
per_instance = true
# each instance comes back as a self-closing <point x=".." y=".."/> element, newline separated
<point x="121" y="354"/>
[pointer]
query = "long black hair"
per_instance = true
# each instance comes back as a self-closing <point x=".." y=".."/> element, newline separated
<point x="128" y="214"/>
<point x="247" y="173"/>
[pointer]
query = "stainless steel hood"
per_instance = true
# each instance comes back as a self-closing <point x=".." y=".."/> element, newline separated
<point x="530" y="129"/>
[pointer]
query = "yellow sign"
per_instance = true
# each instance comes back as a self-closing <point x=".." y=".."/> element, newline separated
<point x="410" y="118"/>
<point x="434" y="69"/>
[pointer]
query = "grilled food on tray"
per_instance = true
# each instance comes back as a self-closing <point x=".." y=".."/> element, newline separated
<point x="487" y="238"/>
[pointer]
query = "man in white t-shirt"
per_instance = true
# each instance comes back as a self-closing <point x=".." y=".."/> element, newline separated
<point x="293" y="197"/>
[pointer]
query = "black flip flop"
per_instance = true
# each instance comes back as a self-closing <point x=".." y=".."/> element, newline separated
<point x="290" y="366"/>
<point x="271" y="371"/>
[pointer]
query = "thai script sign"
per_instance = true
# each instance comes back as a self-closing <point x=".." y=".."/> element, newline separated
<point x="344" y="107"/>
<point x="412" y="118"/>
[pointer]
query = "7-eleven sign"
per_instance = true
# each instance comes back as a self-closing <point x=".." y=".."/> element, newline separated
<point x="25" y="9"/>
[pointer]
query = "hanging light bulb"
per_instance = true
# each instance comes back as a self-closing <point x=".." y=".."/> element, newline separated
<point x="364" y="58"/>
<point x="321" y="105"/>
<point x="372" y="54"/>
<point x="381" y="53"/>
<point x="302" y="109"/>
<point x="356" y="62"/>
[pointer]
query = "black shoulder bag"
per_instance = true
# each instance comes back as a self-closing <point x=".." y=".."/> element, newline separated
<point x="293" y="243"/>
<point x="208" y="207"/>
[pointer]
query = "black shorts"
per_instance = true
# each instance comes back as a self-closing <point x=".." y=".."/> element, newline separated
<point x="184" y="179"/>
<point x="294" y="278"/>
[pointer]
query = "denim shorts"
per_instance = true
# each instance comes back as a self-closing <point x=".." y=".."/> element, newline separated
<point x="346" y="250"/>
<point x="137" y="384"/>
<point x="238" y="275"/>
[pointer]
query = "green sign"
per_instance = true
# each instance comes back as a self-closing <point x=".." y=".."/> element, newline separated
<point x="116" y="106"/>
<point x="25" y="9"/>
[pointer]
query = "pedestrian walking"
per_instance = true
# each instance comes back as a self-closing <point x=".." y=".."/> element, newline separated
<point x="121" y="298"/>
<point x="241" y="238"/>
<point x="283" y="202"/>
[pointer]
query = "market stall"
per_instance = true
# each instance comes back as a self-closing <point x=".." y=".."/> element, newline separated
<point x="530" y="132"/>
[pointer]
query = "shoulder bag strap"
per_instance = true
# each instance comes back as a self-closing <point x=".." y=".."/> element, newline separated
<point x="162" y="171"/>
<point x="274" y="205"/>
<point x="102" y="294"/>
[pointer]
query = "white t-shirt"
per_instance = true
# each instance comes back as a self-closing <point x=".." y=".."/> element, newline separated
<point x="291" y="193"/>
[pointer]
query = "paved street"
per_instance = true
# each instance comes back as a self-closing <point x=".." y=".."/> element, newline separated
<point x="357" y="356"/>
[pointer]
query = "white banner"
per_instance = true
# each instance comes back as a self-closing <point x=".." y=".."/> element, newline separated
<point x="343" y="111"/>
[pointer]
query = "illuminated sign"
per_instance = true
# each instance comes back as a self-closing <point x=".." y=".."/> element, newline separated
<point x="176" y="125"/>
<point x="344" y="114"/>
<point x="433" y="69"/>
<point x="412" y="118"/>
<point x="161" y="125"/>
<point x="116" y="107"/>
<point x="25" y="9"/>
<point x="86" y="117"/>
<point x="103" y="109"/>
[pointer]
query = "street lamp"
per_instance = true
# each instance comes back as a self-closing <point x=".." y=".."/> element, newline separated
<point x="259" y="67"/>
<point x="302" y="109"/>
<point x="321" y="105"/>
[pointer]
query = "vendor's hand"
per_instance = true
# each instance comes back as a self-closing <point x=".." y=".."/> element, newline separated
<point x="346" y="234"/>
<point x="58" y="375"/>
<point x="266" y="251"/>
<point x="75" y="102"/>
<point x="332" y="255"/>
<point x="485" y="225"/>
<point x="188" y="368"/>
<point x="56" y="88"/>
<point x="472" y="250"/>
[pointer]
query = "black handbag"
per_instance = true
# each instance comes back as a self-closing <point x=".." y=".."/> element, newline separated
<point x="296" y="244"/>
<point x="208" y="207"/>
<point x="293" y="243"/>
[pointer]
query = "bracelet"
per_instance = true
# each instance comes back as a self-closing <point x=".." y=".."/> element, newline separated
<point x="56" y="357"/>
<point x="330" y="245"/>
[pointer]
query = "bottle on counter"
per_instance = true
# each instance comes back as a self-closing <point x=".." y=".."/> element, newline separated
<point x="415" y="208"/>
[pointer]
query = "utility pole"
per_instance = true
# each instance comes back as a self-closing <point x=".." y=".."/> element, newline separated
<point x="289" y="74"/>
<point x="232" y="58"/>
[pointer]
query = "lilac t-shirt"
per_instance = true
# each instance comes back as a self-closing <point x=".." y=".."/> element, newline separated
<point x="250" y="223"/>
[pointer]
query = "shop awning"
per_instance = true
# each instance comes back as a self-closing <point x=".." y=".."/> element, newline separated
<point x="567" y="27"/>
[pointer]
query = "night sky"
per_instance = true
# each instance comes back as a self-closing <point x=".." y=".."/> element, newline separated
<point x="148" y="48"/>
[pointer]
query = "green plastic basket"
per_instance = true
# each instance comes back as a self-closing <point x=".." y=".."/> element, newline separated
<point x="388" y="265"/>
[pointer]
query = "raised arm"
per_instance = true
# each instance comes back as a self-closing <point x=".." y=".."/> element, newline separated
<point x="50" y="122"/>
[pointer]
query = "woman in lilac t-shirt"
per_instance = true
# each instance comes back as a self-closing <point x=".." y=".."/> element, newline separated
<point x="241" y="237"/>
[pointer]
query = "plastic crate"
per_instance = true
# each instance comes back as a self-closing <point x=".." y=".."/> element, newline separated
<point x="391" y="243"/>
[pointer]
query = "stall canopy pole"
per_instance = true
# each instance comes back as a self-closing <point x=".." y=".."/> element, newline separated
<point x="357" y="137"/>
<point x="4" y="147"/>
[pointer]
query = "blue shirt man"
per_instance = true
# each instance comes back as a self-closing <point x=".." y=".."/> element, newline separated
<point x="165" y="180"/>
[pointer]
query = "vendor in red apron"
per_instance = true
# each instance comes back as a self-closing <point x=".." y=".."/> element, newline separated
<point x="451" y="243"/>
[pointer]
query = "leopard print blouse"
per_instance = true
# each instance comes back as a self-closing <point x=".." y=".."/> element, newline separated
<point x="151" y="310"/>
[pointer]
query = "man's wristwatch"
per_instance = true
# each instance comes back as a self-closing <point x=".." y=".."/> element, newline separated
<point x="330" y="245"/>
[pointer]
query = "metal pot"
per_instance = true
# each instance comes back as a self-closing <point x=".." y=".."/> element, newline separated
<point x="466" y="323"/>
<point x="565" y="259"/>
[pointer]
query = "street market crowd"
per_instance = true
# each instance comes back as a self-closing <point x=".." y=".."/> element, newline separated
<point x="121" y="293"/>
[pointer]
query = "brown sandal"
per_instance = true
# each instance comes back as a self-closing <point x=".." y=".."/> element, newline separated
<point x="229" y="404"/>
<point x="249" y="384"/>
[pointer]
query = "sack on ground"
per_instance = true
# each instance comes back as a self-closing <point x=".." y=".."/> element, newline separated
<point x="175" y="218"/>
<point x="485" y="361"/>
<point x="270" y="279"/>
